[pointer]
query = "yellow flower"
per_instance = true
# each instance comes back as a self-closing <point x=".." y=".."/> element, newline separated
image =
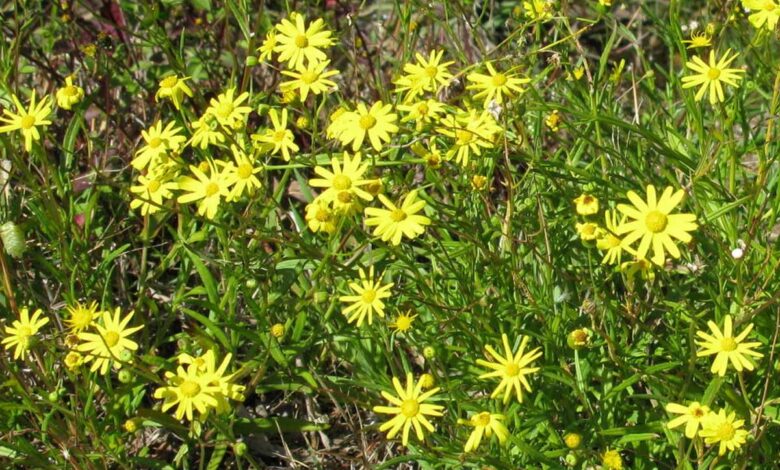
<point x="173" y="88"/>
<point x="572" y="440"/>
<point x="654" y="225"/>
<point x="727" y="347"/>
<point x="367" y="298"/>
<point x="763" y="13"/>
<point x="427" y="381"/>
<point x="697" y="40"/>
<point x="478" y="182"/>
<point x="691" y="416"/>
<point x="70" y="94"/>
<point x="279" y="138"/>
<point x="228" y="110"/>
<point x="511" y="368"/>
<point x="206" y="132"/>
<point x="21" y="332"/>
<point x="81" y="316"/>
<point x="610" y="242"/>
<point x="188" y="389"/>
<point x="538" y="10"/>
<point x="152" y="189"/>
<point x="586" y="204"/>
<point x="160" y="143"/>
<point x="409" y="410"/>
<point x="472" y="133"/>
<point x="320" y="217"/>
<point x="611" y="460"/>
<point x="343" y="182"/>
<point x="711" y="76"/>
<point x="553" y="120"/>
<point x="426" y="75"/>
<point x="27" y="121"/>
<point x="243" y="174"/>
<point x="588" y="231"/>
<point x="487" y="424"/>
<point x="723" y="429"/>
<point x="266" y="49"/>
<point x="403" y="322"/>
<point x="496" y="85"/>
<point x="640" y="266"/>
<point x="73" y="360"/>
<point x="311" y="79"/>
<point x="206" y="365"/>
<point x="296" y="42"/>
<point x="207" y="189"/>
<point x="375" y="124"/>
<point x="605" y="3"/>
<point x="422" y="112"/>
<point x="111" y="340"/>
<point x="396" y="222"/>
<point x="277" y="330"/>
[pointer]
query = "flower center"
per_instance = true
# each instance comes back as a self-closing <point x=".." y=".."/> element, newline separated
<point x="70" y="91"/>
<point x="81" y="318"/>
<point x="224" y="109"/>
<point x="612" y="241"/>
<point x="655" y="221"/>
<point x="212" y="189"/>
<point x="27" y="122"/>
<point x="728" y="344"/>
<point x="580" y="336"/>
<point x="111" y="338"/>
<point x="410" y="408"/>
<point x="368" y="296"/>
<point x="24" y="332"/>
<point x="279" y="136"/>
<point x="713" y="74"/>
<point x="308" y="77"/>
<point x="169" y="82"/>
<point x="342" y="182"/>
<point x="403" y="323"/>
<point x="398" y="215"/>
<point x="482" y="419"/>
<point x="367" y="122"/>
<point x="698" y="412"/>
<point x="245" y="171"/>
<point x="322" y="215"/>
<point x="499" y="80"/>
<point x="769" y="5"/>
<point x="463" y="136"/>
<point x="301" y="41"/>
<point x="431" y="71"/>
<point x="189" y="388"/>
<point x="155" y="142"/>
<point x="153" y="186"/>
<point x="512" y="370"/>
<point x="422" y="109"/>
<point x="725" y="432"/>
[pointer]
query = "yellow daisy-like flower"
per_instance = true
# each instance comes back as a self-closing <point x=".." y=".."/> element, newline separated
<point x="21" y="332"/>
<point x="310" y="79"/>
<point x="174" y="89"/>
<point x="725" y="430"/>
<point x="81" y="316"/>
<point x="422" y="112"/>
<point x="652" y="224"/>
<point x="511" y="368"/>
<point x="278" y="138"/>
<point x="206" y="131"/>
<point x="538" y="10"/>
<point x="228" y="110"/>
<point x="396" y="222"/>
<point x="344" y="181"/>
<point x="611" y="460"/>
<point x="296" y="42"/>
<point x="367" y="298"/>
<point x="429" y="74"/>
<point x="151" y="191"/>
<point x="727" y="347"/>
<point x="610" y="242"/>
<point x="160" y="143"/>
<point x="711" y="76"/>
<point x="188" y="389"/>
<point x="27" y="121"/>
<point x="375" y="124"/>
<point x="553" y="120"/>
<point x="403" y="322"/>
<point x="244" y="174"/>
<point x="111" y="340"/>
<point x="588" y="231"/>
<point x="697" y="40"/>
<point x="472" y="132"/>
<point x="266" y="49"/>
<point x="495" y="85"/>
<point x="763" y="13"/>
<point x="321" y="217"/>
<point x="73" y="360"/>
<point x="70" y="94"/>
<point x="207" y="189"/>
<point x="206" y="364"/>
<point x="586" y="204"/>
<point x="409" y="410"/>
<point x="485" y="424"/>
<point x="691" y="416"/>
